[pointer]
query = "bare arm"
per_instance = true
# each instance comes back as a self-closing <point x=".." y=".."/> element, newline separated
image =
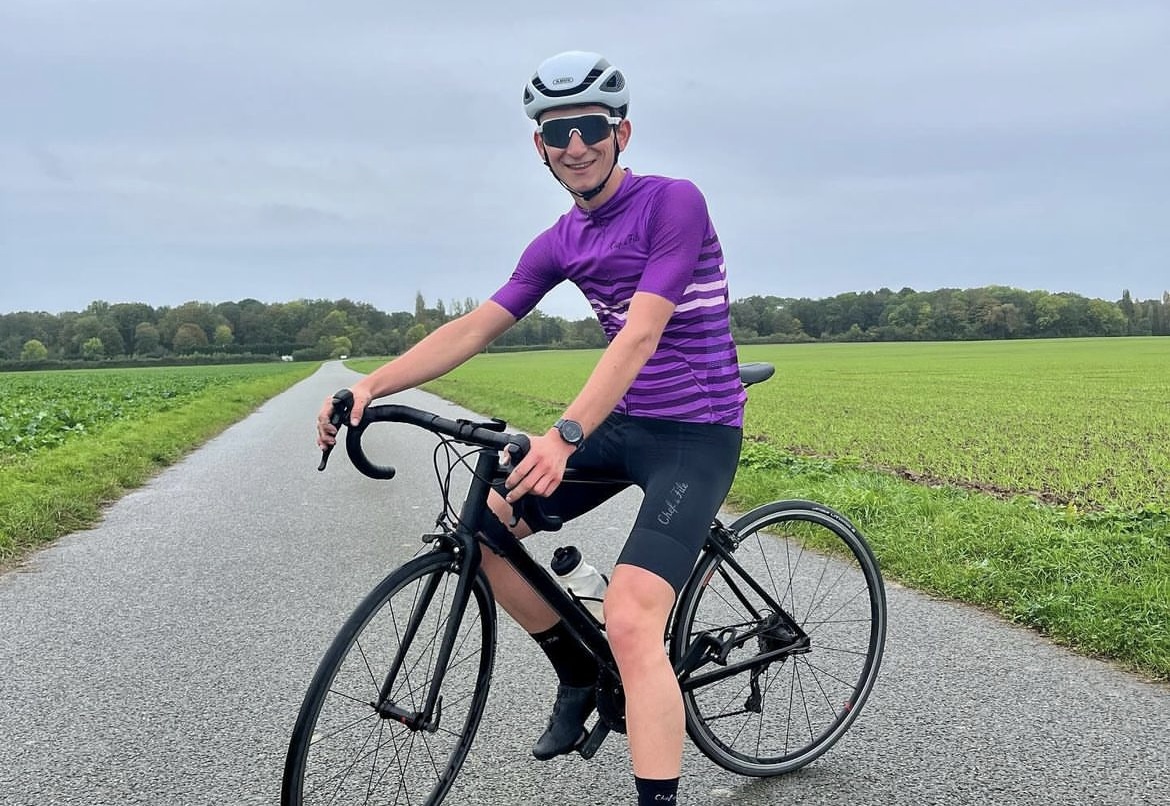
<point x="438" y="353"/>
<point x="621" y="362"/>
<point x="544" y="467"/>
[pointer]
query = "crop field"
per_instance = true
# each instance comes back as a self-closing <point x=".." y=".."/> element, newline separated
<point x="42" y="410"/>
<point x="1081" y="423"/>
<point x="1029" y="477"/>
<point x="71" y="441"/>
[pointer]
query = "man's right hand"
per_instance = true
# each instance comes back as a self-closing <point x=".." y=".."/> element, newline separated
<point x="326" y="431"/>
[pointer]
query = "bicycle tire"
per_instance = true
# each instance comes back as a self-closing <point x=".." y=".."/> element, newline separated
<point x="820" y="570"/>
<point x="342" y="750"/>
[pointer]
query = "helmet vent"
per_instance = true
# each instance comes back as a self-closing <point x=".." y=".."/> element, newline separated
<point x="584" y="85"/>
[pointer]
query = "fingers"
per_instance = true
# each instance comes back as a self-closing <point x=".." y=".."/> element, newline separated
<point x="359" y="406"/>
<point x="326" y="431"/>
<point x="540" y="473"/>
<point x="535" y="483"/>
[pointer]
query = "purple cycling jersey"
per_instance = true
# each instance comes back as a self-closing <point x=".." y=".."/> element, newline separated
<point x="654" y="235"/>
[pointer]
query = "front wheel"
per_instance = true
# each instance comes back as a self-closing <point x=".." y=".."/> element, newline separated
<point x="774" y="717"/>
<point x="353" y="741"/>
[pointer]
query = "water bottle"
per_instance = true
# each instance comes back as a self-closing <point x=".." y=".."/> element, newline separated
<point x="580" y="579"/>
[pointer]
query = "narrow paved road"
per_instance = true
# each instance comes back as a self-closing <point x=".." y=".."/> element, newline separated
<point x="160" y="658"/>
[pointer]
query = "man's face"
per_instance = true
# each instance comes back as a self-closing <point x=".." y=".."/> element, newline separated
<point x="579" y="164"/>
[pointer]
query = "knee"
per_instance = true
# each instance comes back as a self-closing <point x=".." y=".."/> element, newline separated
<point x="628" y="630"/>
<point x="635" y="621"/>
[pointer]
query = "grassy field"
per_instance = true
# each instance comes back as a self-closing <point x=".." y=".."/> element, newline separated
<point x="1026" y="477"/>
<point x="73" y="441"/>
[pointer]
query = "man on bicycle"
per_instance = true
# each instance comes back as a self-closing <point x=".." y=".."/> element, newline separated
<point x="663" y="406"/>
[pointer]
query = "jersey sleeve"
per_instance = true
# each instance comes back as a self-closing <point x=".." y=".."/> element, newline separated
<point x="536" y="273"/>
<point x="677" y="226"/>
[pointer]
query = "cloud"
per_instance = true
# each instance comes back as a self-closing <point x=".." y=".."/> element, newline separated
<point x="841" y="144"/>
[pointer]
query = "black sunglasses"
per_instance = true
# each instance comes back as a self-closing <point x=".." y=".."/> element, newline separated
<point x="593" y="128"/>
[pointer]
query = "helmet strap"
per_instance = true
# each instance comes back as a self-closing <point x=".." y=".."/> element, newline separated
<point x="587" y="194"/>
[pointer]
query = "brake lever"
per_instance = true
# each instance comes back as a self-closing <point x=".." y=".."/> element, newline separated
<point x="342" y="405"/>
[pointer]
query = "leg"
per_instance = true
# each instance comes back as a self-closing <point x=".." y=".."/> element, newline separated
<point x="511" y="591"/>
<point x="575" y="666"/>
<point x="637" y="605"/>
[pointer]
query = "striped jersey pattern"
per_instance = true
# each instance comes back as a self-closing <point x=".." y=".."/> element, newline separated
<point x="655" y="236"/>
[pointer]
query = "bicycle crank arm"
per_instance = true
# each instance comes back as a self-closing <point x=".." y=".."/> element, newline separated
<point x="415" y="720"/>
<point x="593" y="740"/>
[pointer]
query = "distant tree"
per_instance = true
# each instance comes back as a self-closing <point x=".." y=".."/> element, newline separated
<point x="1128" y="310"/>
<point x="584" y="332"/>
<point x="1106" y="319"/>
<point x="339" y="346"/>
<point x="92" y="349"/>
<point x="126" y="316"/>
<point x="80" y="330"/>
<point x="223" y="336"/>
<point x="146" y="339"/>
<point x="230" y="312"/>
<point x="34" y="350"/>
<point x="415" y="334"/>
<point x="111" y="338"/>
<point x="336" y="323"/>
<point x="188" y="337"/>
<point x="854" y="333"/>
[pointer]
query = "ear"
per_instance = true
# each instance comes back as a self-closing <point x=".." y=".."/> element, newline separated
<point x="540" y="149"/>
<point x="624" y="130"/>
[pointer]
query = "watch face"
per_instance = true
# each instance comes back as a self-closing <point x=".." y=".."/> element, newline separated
<point x="571" y="431"/>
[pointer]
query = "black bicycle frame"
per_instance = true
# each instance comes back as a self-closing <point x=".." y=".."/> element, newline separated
<point x="465" y="542"/>
<point x="467" y="552"/>
<point x="709" y="648"/>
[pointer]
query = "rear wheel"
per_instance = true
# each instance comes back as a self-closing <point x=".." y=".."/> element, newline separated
<point x="776" y="717"/>
<point x="350" y="744"/>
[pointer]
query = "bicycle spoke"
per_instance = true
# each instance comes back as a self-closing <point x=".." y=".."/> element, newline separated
<point x="776" y="715"/>
<point x="352" y="750"/>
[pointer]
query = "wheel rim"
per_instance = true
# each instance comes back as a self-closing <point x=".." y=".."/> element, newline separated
<point x="795" y="709"/>
<point x="355" y="755"/>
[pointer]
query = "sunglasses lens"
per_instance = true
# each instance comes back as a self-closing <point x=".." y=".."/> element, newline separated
<point x="593" y="129"/>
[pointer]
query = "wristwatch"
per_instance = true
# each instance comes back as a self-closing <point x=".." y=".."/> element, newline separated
<point x="571" y="432"/>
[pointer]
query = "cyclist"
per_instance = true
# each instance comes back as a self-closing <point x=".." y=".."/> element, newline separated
<point x="662" y="407"/>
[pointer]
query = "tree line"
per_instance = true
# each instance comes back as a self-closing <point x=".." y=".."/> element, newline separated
<point x="320" y="329"/>
<point x="948" y="314"/>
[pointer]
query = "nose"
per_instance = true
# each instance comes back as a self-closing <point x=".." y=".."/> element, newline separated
<point x="576" y="144"/>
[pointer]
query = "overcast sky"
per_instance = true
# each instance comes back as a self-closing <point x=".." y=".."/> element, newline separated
<point x="161" y="151"/>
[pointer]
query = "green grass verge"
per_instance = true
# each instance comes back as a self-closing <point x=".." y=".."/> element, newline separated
<point x="47" y="494"/>
<point x="1096" y="581"/>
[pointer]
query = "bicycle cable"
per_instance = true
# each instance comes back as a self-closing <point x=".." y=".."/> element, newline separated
<point x="448" y="518"/>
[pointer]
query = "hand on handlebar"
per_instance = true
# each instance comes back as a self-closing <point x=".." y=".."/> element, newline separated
<point x="541" y="471"/>
<point x="329" y="419"/>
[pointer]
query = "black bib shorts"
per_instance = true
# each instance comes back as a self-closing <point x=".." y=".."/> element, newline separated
<point x="683" y="469"/>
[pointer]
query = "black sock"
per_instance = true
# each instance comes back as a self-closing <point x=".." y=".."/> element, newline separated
<point x="574" y="664"/>
<point x="655" y="792"/>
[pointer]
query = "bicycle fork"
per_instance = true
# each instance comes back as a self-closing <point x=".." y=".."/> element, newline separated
<point x="465" y="548"/>
<point x="468" y="556"/>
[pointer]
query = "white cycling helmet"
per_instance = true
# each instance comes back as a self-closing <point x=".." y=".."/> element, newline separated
<point x="576" y="78"/>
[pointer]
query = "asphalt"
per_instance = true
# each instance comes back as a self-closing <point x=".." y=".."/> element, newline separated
<point x="160" y="657"/>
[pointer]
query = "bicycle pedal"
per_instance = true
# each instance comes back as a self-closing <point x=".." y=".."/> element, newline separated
<point x="593" y="740"/>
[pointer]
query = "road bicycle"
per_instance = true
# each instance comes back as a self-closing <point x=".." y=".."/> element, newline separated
<point x="776" y="638"/>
